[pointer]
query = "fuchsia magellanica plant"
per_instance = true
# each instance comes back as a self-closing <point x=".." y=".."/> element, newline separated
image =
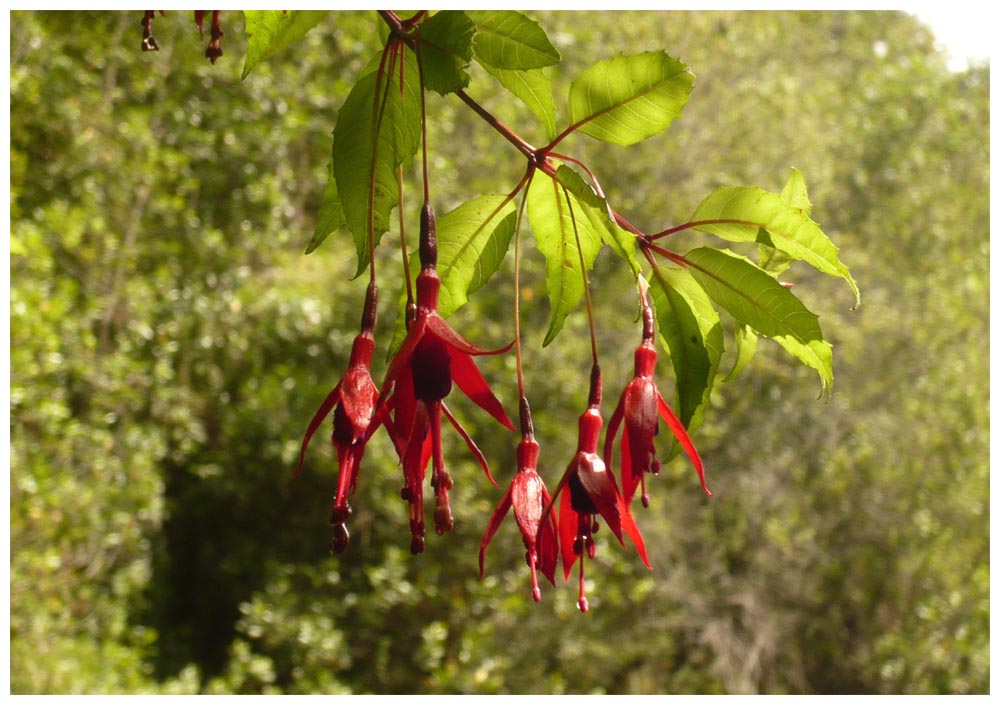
<point x="621" y="101"/>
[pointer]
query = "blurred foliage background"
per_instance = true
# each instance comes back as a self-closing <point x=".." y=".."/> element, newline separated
<point x="169" y="343"/>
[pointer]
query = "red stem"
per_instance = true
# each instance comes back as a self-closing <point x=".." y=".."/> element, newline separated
<point x="699" y="223"/>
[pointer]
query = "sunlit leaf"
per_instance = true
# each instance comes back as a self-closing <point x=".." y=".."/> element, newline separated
<point x="270" y="31"/>
<point x="552" y="217"/>
<point x="790" y="229"/>
<point x="746" y="347"/>
<point x="769" y="258"/>
<point x="533" y="88"/>
<point x="629" y="98"/>
<point x="596" y="210"/>
<point x="506" y="39"/>
<point x="755" y="298"/>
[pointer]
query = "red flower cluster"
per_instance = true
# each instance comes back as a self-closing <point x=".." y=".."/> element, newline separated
<point x="411" y="403"/>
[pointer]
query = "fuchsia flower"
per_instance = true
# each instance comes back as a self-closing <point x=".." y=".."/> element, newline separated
<point x="419" y="377"/>
<point x="639" y="406"/>
<point x="528" y="496"/>
<point x="353" y="402"/>
<point x="589" y="489"/>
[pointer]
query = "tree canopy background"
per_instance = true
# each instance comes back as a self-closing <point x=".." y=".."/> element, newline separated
<point x="169" y="342"/>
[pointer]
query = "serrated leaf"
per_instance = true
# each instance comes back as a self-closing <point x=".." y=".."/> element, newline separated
<point x="270" y="31"/>
<point x="690" y="330"/>
<point x="362" y="158"/>
<point x="533" y="88"/>
<point x="506" y="39"/>
<point x="549" y="212"/>
<point x="790" y="229"/>
<point x="331" y="213"/>
<point x="597" y="211"/>
<point x="446" y="50"/>
<point x="754" y="298"/>
<point x="769" y="258"/>
<point x="473" y="240"/>
<point x="629" y="98"/>
<point x="746" y="347"/>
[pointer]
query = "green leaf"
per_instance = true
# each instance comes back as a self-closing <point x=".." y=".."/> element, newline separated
<point x="597" y="211"/>
<point x="472" y="242"/>
<point x="533" y="88"/>
<point x="769" y="258"/>
<point x="755" y="298"/>
<point x="506" y="39"/>
<point x="746" y="347"/>
<point x="331" y="214"/>
<point x="363" y="158"/>
<point x="446" y="50"/>
<point x="790" y="229"/>
<point x="553" y="225"/>
<point x="629" y="98"/>
<point x="690" y="330"/>
<point x="270" y="31"/>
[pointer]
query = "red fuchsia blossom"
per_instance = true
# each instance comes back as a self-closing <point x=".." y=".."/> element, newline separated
<point x="528" y="496"/>
<point x="419" y="377"/>
<point x="352" y="401"/>
<point x="588" y="490"/>
<point x="640" y="406"/>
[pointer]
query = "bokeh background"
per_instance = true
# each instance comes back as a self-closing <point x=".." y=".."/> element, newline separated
<point x="170" y="341"/>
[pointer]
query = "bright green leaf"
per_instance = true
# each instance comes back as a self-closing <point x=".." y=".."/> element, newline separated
<point x="769" y="258"/>
<point x="549" y="212"/>
<point x="791" y="230"/>
<point x="506" y="39"/>
<point x="597" y="211"/>
<point x="331" y="213"/>
<point x="270" y="31"/>
<point x="629" y="98"/>
<point x="746" y="347"/>
<point x="755" y="298"/>
<point x="534" y="89"/>
<point x="366" y="159"/>
<point x="690" y="330"/>
<point x="472" y="242"/>
<point x="446" y="50"/>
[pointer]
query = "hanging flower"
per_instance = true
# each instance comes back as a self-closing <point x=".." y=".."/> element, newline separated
<point x="352" y="401"/>
<point x="640" y="406"/>
<point x="528" y="497"/>
<point x="420" y="376"/>
<point x="588" y="490"/>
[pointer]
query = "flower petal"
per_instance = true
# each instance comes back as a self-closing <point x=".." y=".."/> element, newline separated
<point x="682" y="436"/>
<point x="469" y="442"/>
<point x="441" y="329"/>
<point x="324" y="409"/>
<point x="600" y="486"/>
<point x="470" y="381"/>
<point x="491" y="529"/>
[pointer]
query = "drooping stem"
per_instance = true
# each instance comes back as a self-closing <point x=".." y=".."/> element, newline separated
<point x="423" y="121"/>
<point x="402" y="237"/>
<point x="517" y="295"/>
<point x="583" y="274"/>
